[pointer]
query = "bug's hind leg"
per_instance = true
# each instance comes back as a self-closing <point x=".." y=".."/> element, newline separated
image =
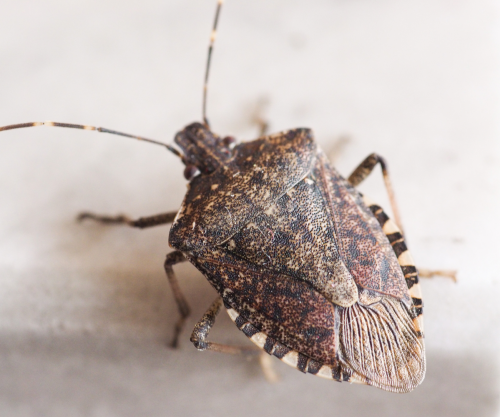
<point x="141" y="223"/>
<point x="200" y="335"/>
<point x="202" y="328"/>
<point x="266" y="363"/>
<point x="364" y="169"/>
<point x="172" y="259"/>
<point x="430" y="273"/>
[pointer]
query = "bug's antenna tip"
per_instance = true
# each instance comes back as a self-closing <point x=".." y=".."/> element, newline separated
<point x="213" y="35"/>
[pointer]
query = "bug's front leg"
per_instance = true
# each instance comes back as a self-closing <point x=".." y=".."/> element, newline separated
<point x="141" y="222"/>
<point x="174" y="258"/>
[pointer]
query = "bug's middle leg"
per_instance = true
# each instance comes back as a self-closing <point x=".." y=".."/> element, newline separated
<point x="141" y="223"/>
<point x="172" y="259"/>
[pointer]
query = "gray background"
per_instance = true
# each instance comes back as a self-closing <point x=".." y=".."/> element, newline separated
<point x="85" y="311"/>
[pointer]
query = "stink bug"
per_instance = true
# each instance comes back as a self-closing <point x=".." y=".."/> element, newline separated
<point x="310" y="270"/>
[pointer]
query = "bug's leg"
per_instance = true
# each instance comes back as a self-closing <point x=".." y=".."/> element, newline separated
<point x="202" y="328"/>
<point x="263" y="126"/>
<point x="174" y="258"/>
<point x="258" y="116"/>
<point x="429" y="273"/>
<point x="200" y="334"/>
<point x="337" y="148"/>
<point x="141" y="222"/>
<point x="266" y="363"/>
<point x="364" y="169"/>
<point x="361" y="172"/>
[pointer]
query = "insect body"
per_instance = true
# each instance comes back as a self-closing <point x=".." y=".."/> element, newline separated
<point x="302" y="262"/>
<point x="310" y="270"/>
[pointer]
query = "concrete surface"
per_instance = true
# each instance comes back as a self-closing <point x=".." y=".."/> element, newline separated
<point x="85" y="311"/>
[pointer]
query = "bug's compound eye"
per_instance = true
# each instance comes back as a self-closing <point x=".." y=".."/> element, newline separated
<point x="190" y="172"/>
<point x="229" y="141"/>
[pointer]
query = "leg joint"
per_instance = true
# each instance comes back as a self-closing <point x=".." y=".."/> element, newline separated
<point x="159" y="219"/>
<point x="174" y="258"/>
<point x="199" y="344"/>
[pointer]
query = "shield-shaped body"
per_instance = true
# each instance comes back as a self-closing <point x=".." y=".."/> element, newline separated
<point x="306" y="268"/>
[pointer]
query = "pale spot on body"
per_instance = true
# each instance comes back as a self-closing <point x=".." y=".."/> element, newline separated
<point x="259" y="339"/>
<point x="325" y="372"/>
<point x="368" y="201"/>
<point x="390" y="227"/>
<point x="271" y="210"/>
<point x="179" y="216"/>
<point x="419" y="324"/>
<point x="232" y="313"/>
<point x="405" y="259"/>
<point x="291" y="358"/>
<point x="415" y="291"/>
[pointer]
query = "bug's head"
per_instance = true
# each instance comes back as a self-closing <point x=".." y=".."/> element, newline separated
<point x="204" y="151"/>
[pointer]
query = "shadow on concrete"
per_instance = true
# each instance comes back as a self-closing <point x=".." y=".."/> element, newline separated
<point x="82" y="375"/>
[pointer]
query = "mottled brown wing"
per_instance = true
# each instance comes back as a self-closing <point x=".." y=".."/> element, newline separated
<point x="379" y="335"/>
<point x="320" y="232"/>
<point x="375" y="344"/>
<point x="217" y="205"/>
<point x="282" y="307"/>
<point x="361" y="242"/>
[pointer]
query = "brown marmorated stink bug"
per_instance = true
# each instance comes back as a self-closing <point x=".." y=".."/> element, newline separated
<point x="308" y="268"/>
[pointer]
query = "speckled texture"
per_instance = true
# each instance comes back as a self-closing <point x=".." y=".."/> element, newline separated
<point x="218" y="205"/>
<point x="86" y="312"/>
<point x="295" y="263"/>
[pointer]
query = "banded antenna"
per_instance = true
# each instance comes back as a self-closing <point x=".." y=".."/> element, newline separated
<point x="114" y="132"/>
<point x="213" y="35"/>
<point x="98" y="129"/>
